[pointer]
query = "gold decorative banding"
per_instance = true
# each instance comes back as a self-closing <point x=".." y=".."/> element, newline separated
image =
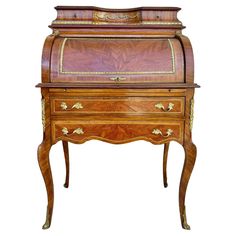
<point x="77" y="22"/>
<point x="160" y="23"/>
<point x="114" y="72"/>
<point x="43" y="113"/>
<point x="191" y="113"/>
<point x="172" y="56"/>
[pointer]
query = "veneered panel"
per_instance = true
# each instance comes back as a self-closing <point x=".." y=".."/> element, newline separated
<point x="116" y="131"/>
<point x="156" y="106"/>
<point x="103" y="59"/>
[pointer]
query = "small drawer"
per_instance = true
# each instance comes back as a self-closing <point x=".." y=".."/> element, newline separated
<point x="156" y="105"/>
<point x="117" y="131"/>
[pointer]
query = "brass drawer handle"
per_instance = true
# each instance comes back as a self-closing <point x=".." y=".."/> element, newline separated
<point x="161" y="106"/>
<point x="65" y="131"/>
<point x="169" y="132"/>
<point x="117" y="79"/>
<point x="76" y="131"/>
<point x="77" y="106"/>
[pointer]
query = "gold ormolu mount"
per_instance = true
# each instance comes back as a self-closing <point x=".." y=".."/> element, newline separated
<point x="191" y="113"/>
<point x="43" y="113"/>
<point x="48" y="220"/>
<point x="184" y="221"/>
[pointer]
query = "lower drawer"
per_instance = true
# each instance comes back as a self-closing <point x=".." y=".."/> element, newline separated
<point x="117" y="131"/>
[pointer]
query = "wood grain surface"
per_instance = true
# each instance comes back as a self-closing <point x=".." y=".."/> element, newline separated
<point x="116" y="132"/>
<point x="134" y="105"/>
<point x="118" y="64"/>
<point x="100" y="60"/>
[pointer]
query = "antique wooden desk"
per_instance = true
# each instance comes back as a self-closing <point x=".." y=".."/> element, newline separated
<point x="117" y="76"/>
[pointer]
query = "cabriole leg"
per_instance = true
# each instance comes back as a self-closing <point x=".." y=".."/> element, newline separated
<point x="66" y="154"/>
<point x="165" y="156"/>
<point x="190" y="157"/>
<point x="44" y="164"/>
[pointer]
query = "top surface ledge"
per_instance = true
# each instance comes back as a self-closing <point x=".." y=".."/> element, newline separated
<point x="115" y="10"/>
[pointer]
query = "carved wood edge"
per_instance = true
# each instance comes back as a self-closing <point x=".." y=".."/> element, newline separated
<point x="141" y="138"/>
<point x="117" y="86"/>
<point x="46" y="56"/>
<point x="188" y="57"/>
<point x="151" y="8"/>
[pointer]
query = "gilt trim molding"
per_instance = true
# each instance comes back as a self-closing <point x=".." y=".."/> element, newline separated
<point x="43" y="113"/>
<point x="191" y="113"/>
<point x="78" y="22"/>
<point x="62" y="71"/>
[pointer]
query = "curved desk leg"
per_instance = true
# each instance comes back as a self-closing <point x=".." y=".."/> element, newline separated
<point x="44" y="164"/>
<point x="66" y="154"/>
<point x="190" y="157"/>
<point x="165" y="156"/>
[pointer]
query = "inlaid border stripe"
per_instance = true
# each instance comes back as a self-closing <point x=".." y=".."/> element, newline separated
<point x="114" y="72"/>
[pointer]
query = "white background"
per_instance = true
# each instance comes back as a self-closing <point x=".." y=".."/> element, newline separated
<point x="117" y="189"/>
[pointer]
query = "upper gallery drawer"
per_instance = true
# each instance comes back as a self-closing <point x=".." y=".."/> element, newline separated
<point x="155" y="105"/>
<point x="117" y="60"/>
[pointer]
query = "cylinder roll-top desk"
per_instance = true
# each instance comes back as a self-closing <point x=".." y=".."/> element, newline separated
<point x="117" y="75"/>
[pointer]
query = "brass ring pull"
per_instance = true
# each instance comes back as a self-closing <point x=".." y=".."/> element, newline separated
<point x="161" y="106"/>
<point x="77" y="106"/>
<point x="169" y="132"/>
<point x="76" y="131"/>
<point x="117" y="79"/>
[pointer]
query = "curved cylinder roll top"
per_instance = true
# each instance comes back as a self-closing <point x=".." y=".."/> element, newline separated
<point x="130" y="60"/>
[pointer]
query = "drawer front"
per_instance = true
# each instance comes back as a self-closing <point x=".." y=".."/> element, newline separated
<point x="156" y="105"/>
<point x="117" y="131"/>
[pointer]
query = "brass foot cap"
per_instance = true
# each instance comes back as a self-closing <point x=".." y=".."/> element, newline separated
<point x="186" y="226"/>
<point x="46" y="226"/>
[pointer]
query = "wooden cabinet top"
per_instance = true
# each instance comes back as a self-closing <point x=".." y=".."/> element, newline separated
<point x="98" y="47"/>
<point x="72" y="16"/>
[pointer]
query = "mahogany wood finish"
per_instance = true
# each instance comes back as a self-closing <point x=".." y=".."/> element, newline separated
<point x="43" y="159"/>
<point x="67" y="162"/>
<point x="134" y="105"/>
<point x="143" y="60"/>
<point x="165" y="156"/>
<point x="116" y="131"/>
<point x="117" y="75"/>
